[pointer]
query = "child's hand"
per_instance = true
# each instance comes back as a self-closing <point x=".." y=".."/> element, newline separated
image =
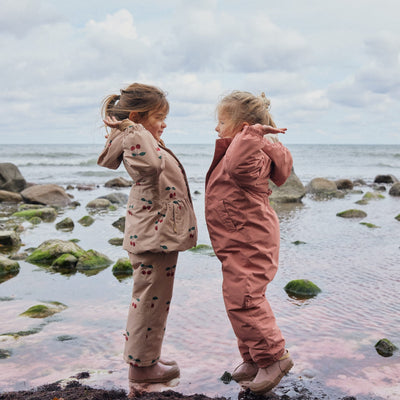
<point x="270" y="129"/>
<point x="112" y="122"/>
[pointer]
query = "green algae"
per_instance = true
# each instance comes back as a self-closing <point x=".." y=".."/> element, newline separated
<point x="302" y="289"/>
<point x="122" y="268"/>
<point x="353" y="213"/>
<point x="87" y="220"/>
<point x="369" y="225"/>
<point x="203" y="249"/>
<point x="298" y="242"/>
<point x="47" y="214"/>
<point x="116" y="241"/>
<point x="92" y="259"/>
<point x="43" y="311"/>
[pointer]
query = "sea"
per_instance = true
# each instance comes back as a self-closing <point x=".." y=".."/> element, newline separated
<point x="331" y="337"/>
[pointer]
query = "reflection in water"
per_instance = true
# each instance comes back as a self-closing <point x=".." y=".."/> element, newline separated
<point x="331" y="337"/>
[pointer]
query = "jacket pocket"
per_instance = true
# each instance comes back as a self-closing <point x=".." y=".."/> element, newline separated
<point x="228" y="216"/>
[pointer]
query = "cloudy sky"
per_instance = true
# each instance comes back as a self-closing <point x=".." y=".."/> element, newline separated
<point x="330" y="68"/>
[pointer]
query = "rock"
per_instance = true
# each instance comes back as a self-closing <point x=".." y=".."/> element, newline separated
<point x="122" y="268"/>
<point x="65" y="225"/>
<point x="9" y="239"/>
<point x="43" y="311"/>
<point x="196" y="192"/>
<point x="35" y="220"/>
<point x="298" y="242"/>
<point x="369" y="225"/>
<point x="359" y="182"/>
<point x="397" y="217"/>
<point x="395" y="189"/>
<point x="8" y="268"/>
<point x="361" y="202"/>
<point x="344" y="184"/>
<point x="19" y="256"/>
<point x="50" y="250"/>
<point x="203" y="249"/>
<point x="99" y="204"/>
<point x="385" y="179"/>
<point x="86" y="187"/>
<point x="65" y="263"/>
<point x="118" y="182"/>
<point x="322" y="188"/>
<point x="302" y="289"/>
<point x="5" y="353"/>
<point x="292" y="191"/>
<point x="116" y="241"/>
<point x="10" y="197"/>
<point x="379" y="188"/>
<point x="92" y="260"/>
<point x="373" y="196"/>
<point x="119" y="224"/>
<point x="87" y="220"/>
<point x="47" y="214"/>
<point x="48" y="194"/>
<point x="10" y="178"/>
<point x="116" y="198"/>
<point x="385" y="348"/>
<point x="352" y="214"/>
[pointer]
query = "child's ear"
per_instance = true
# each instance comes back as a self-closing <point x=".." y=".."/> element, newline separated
<point x="134" y="116"/>
<point x="244" y="124"/>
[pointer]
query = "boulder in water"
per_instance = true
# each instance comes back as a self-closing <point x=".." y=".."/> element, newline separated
<point x="49" y="194"/>
<point x="11" y="178"/>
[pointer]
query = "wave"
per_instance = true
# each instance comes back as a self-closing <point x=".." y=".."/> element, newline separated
<point x="87" y="163"/>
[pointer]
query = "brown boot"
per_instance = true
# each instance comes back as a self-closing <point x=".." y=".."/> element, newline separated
<point x="157" y="373"/>
<point x="268" y="378"/>
<point x="246" y="371"/>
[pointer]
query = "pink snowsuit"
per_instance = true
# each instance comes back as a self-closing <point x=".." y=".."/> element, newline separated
<point x="244" y="232"/>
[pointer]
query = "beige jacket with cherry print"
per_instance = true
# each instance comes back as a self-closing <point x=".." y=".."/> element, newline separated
<point x="160" y="215"/>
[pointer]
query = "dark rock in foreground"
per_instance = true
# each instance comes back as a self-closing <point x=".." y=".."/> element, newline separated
<point x="11" y="178"/>
<point x="385" y="348"/>
<point x="395" y="190"/>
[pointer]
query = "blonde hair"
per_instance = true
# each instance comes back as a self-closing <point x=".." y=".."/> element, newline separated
<point x="245" y="107"/>
<point x="138" y="97"/>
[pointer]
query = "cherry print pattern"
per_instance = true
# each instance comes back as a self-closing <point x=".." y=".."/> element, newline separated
<point x="132" y="242"/>
<point x="135" y="151"/>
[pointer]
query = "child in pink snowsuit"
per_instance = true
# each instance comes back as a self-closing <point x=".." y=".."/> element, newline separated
<point x="244" y="231"/>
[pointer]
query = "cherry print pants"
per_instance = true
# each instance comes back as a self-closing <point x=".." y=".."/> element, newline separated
<point x="245" y="279"/>
<point x="153" y="280"/>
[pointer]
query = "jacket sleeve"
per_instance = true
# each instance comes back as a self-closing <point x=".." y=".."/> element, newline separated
<point x="282" y="162"/>
<point x="141" y="153"/>
<point x="244" y="160"/>
<point x="111" y="156"/>
<point x="250" y="157"/>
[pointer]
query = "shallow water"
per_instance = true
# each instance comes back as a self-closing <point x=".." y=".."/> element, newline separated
<point x="331" y="337"/>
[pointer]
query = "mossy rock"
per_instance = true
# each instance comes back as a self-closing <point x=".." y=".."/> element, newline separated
<point x="99" y="204"/>
<point x="203" y="249"/>
<point x="19" y="334"/>
<point x="226" y="378"/>
<point x="119" y="224"/>
<point x="361" y="202"/>
<point x="385" y="348"/>
<point x="50" y="250"/>
<point x="65" y="225"/>
<point x="9" y="239"/>
<point x="43" y="311"/>
<point x="8" y="268"/>
<point x="65" y="338"/>
<point x="122" y="268"/>
<point x="302" y="289"/>
<point x="5" y="354"/>
<point x="35" y="220"/>
<point x="397" y="217"/>
<point x="65" y="263"/>
<point x="373" y="196"/>
<point x="92" y="260"/>
<point x="353" y="213"/>
<point x="87" y="220"/>
<point x="369" y="225"/>
<point x="116" y="241"/>
<point x="298" y="242"/>
<point x="47" y="214"/>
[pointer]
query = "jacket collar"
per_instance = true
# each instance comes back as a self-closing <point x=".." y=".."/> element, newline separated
<point x="221" y="145"/>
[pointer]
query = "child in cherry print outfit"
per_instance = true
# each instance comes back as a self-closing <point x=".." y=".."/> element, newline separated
<point x="244" y="231"/>
<point x="159" y="223"/>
